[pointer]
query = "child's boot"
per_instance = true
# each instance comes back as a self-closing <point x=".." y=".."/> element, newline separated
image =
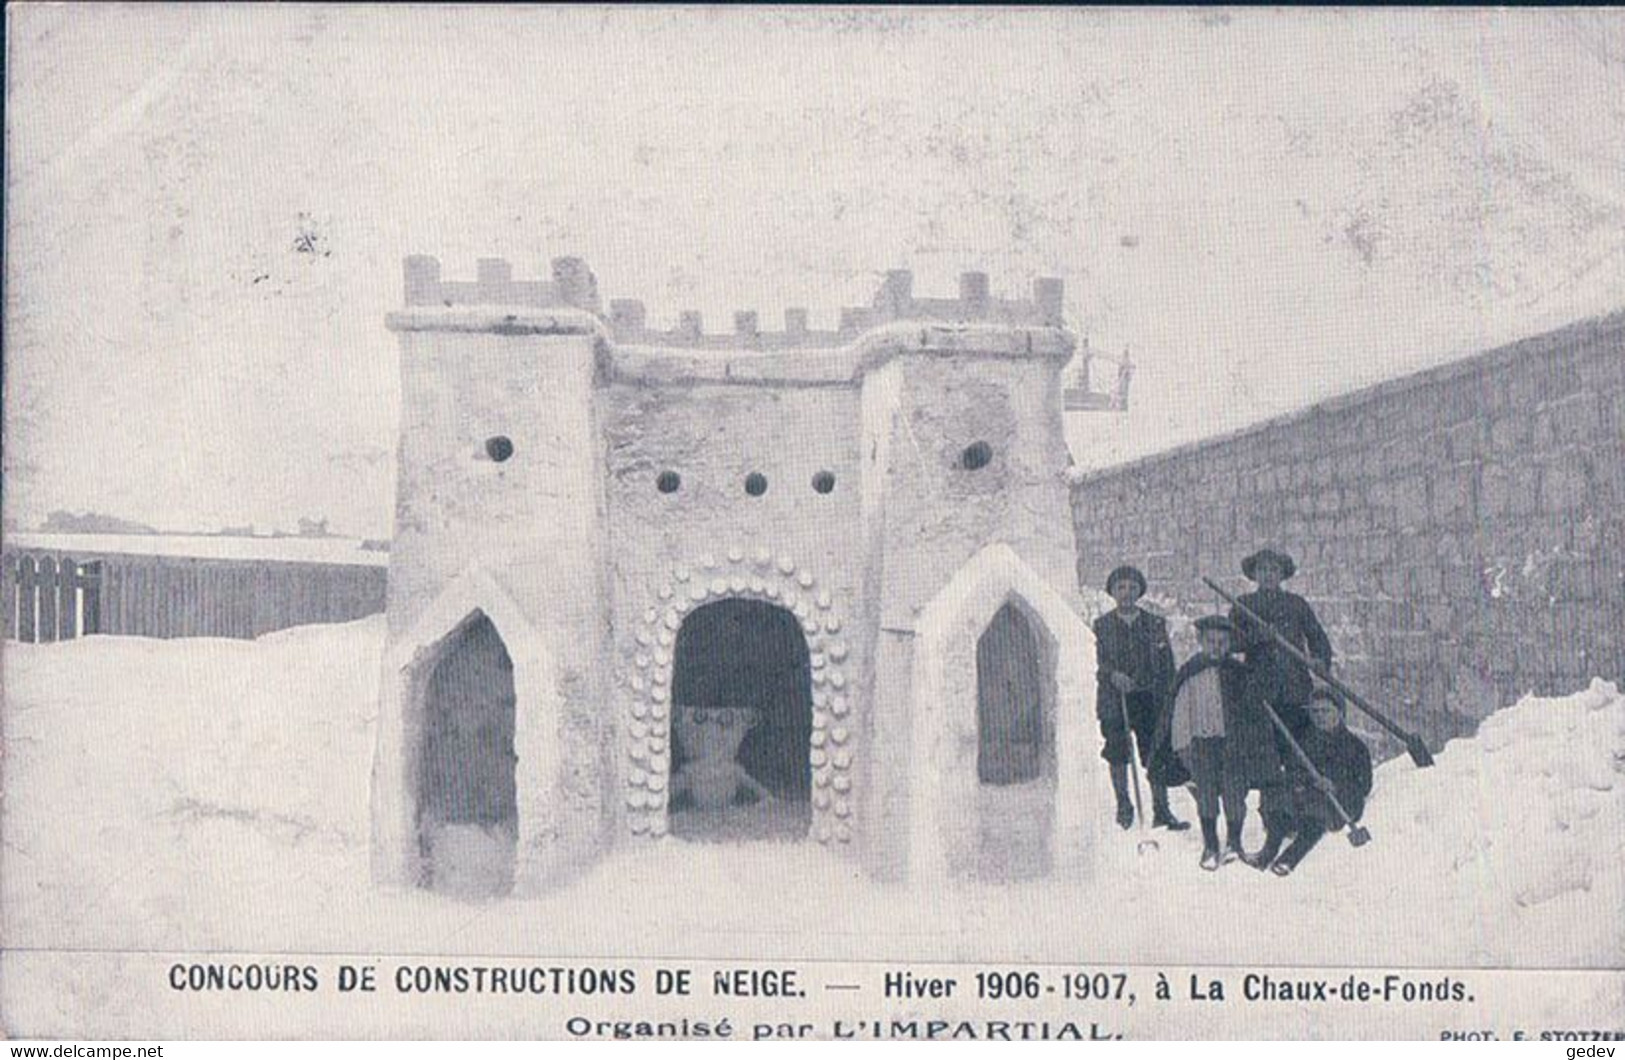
<point x="1301" y="844"/>
<point x="1125" y="806"/>
<point x="1161" y="815"/>
<point x="1232" y="845"/>
<point x="1266" y="855"/>
<point x="1210" y="843"/>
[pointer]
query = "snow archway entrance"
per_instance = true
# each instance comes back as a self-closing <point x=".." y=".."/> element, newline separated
<point x="1002" y="670"/>
<point x="742" y="723"/>
<point x="650" y="656"/>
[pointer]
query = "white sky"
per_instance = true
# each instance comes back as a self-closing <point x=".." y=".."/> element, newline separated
<point x="1266" y="207"/>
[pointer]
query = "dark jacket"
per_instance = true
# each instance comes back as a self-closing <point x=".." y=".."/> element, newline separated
<point x="1342" y="758"/>
<point x="1295" y="620"/>
<point x="1249" y="735"/>
<point x="1140" y="650"/>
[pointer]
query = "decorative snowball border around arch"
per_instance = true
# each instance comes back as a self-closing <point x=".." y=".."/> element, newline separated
<point x="759" y="576"/>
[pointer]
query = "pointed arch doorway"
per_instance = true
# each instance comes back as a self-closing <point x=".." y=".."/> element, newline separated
<point x="1015" y="746"/>
<point x="467" y="804"/>
<point x="1001" y="773"/>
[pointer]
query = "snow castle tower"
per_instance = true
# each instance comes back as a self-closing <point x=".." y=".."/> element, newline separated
<point x="497" y="609"/>
<point x="613" y="543"/>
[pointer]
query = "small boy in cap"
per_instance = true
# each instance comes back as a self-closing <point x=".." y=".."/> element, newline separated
<point x="1134" y="662"/>
<point x="1342" y="759"/>
<point x="1217" y="727"/>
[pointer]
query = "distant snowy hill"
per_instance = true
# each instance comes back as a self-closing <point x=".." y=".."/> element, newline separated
<point x="209" y="205"/>
<point x="286" y="549"/>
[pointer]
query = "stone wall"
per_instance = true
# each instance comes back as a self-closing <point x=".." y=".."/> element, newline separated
<point x="1461" y="531"/>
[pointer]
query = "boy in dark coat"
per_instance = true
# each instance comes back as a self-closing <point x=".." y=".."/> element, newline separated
<point x="1134" y="662"/>
<point x="1343" y="760"/>
<point x="1217" y="726"/>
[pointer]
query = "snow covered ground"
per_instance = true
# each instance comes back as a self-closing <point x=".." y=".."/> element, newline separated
<point x="202" y="794"/>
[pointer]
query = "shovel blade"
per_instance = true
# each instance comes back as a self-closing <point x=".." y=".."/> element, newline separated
<point x="1358" y="836"/>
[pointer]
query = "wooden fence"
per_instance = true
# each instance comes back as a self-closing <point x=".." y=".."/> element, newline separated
<point x="48" y="596"/>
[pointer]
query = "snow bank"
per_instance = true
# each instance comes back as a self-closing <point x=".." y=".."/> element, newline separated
<point x="213" y="793"/>
<point x="174" y="789"/>
<point x="1527" y="821"/>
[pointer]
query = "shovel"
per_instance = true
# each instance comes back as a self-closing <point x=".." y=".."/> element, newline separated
<point x="1358" y="836"/>
<point x="1413" y="743"/>
<point x="1146" y="843"/>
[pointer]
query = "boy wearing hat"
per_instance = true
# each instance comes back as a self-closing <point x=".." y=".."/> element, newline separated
<point x="1292" y="617"/>
<point x="1217" y="727"/>
<point x="1134" y="663"/>
<point x="1343" y="760"/>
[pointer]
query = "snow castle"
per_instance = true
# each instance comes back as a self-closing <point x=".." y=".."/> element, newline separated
<point x="853" y="547"/>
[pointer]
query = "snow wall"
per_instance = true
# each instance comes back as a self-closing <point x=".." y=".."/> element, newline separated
<point x="1461" y="532"/>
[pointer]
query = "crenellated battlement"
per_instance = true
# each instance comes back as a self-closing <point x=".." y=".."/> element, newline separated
<point x="573" y="285"/>
<point x="894" y="301"/>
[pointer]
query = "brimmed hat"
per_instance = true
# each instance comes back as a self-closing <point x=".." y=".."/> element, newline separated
<point x="1215" y="622"/>
<point x="1133" y="574"/>
<point x="1250" y="564"/>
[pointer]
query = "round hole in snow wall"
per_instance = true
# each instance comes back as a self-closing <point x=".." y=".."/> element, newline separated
<point x="824" y="481"/>
<point x="976" y="455"/>
<point x="755" y="483"/>
<point x="499" y="447"/>
<point x="668" y="481"/>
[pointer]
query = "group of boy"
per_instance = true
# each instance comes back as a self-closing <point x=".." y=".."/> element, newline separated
<point x="1208" y="723"/>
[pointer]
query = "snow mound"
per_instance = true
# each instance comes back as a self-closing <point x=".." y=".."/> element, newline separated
<point x="204" y="794"/>
<point x="1524" y="824"/>
<point x="173" y="788"/>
